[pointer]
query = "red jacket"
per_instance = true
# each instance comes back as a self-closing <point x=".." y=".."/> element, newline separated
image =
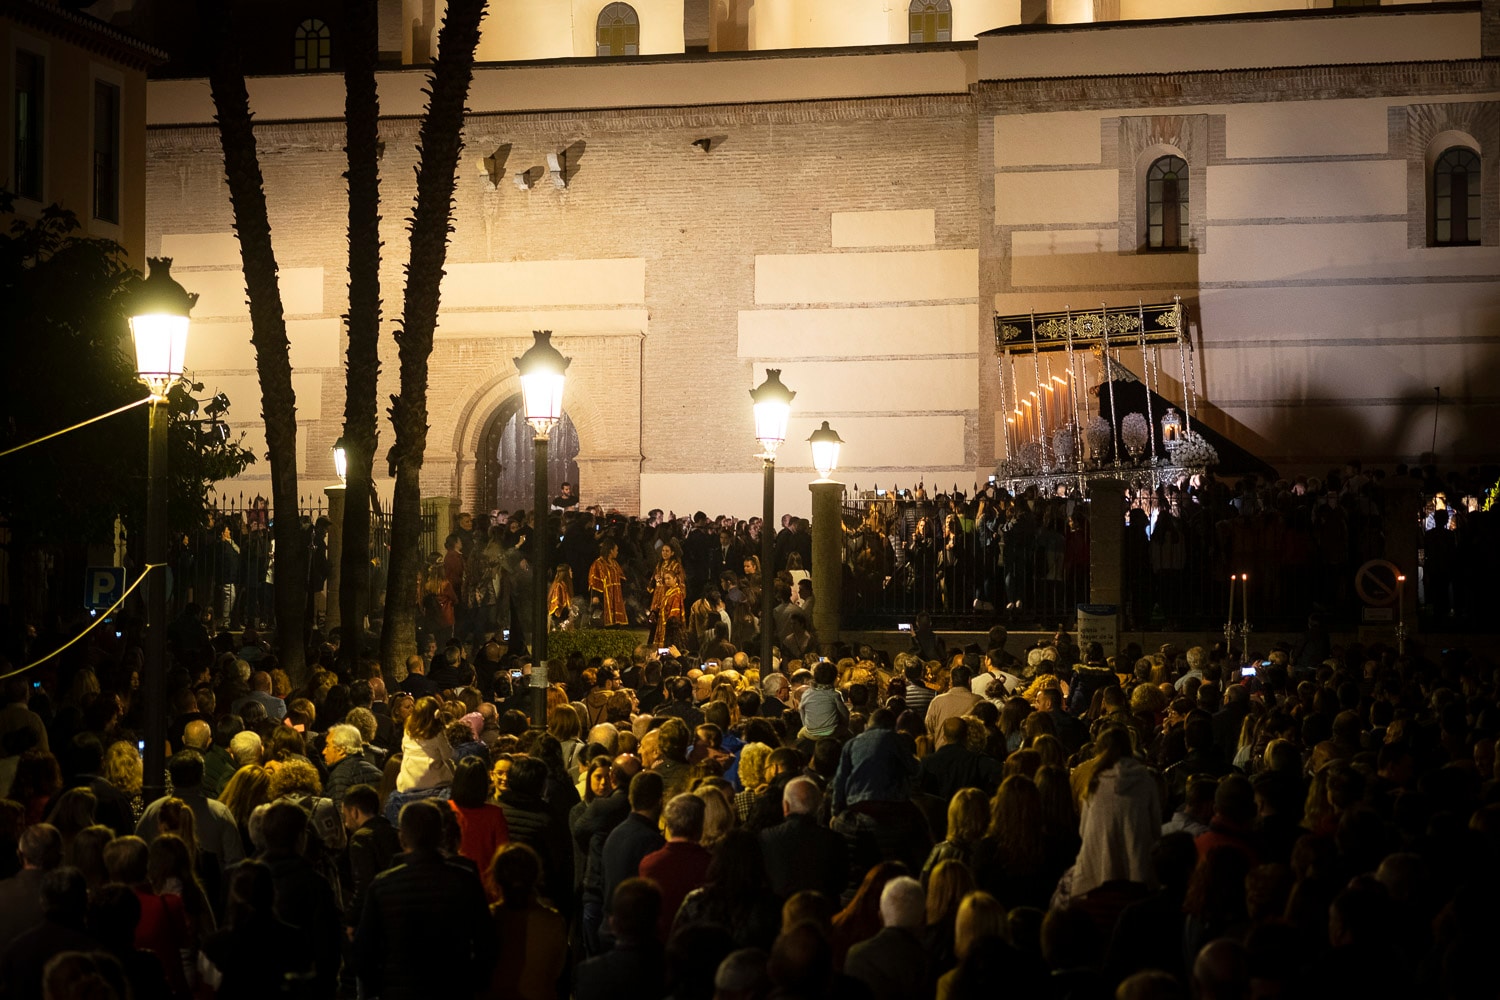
<point x="678" y="869"/>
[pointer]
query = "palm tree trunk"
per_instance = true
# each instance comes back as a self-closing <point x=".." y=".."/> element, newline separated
<point x="440" y="142"/>
<point x="362" y="116"/>
<point x="267" y="332"/>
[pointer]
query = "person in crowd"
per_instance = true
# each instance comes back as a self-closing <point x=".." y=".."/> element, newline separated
<point x="426" y="755"/>
<point x="894" y="964"/>
<point x="632" y="970"/>
<point x="423" y="908"/>
<point x="681" y="864"/>
<point x="530" y="938"/>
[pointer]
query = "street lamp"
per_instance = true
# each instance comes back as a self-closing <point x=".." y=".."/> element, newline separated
<point x="158" y="310"/>
<point x="825" y="443"/>
<point x="827" y="532"/>
<point x="543" y="372"/>
<point x="772" y="404"/>
<point x="341" y="461"/>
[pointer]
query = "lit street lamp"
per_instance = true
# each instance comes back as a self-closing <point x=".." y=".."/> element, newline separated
<point x="827" y="533"/>
<point x="825" y="443"/>
<point x="341" y="461"/>
<point x="543" y="372"/>
<point x="158" y="309"/>
<point x="334" y="614"/>
<point x="773" y="405"/>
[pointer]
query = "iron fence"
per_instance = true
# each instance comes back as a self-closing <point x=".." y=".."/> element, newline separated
<point x="228" y="566"/>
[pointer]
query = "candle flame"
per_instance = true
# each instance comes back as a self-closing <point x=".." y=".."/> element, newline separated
<point x="1400" y="579"/>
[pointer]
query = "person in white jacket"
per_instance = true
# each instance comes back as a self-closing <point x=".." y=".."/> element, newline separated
<point x="1120" y="818"/>
<point x="426" y="757"/>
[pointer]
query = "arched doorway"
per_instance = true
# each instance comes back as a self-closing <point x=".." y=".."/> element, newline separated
<point x="507" y="462"/>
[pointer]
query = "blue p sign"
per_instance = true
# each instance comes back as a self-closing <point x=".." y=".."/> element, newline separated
<point x="103" y="586"/>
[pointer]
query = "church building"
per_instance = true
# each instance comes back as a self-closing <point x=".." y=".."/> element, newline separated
<point x="689" y="192"/>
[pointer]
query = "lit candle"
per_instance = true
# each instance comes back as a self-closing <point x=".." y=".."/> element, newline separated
<point x="1401" y="598"/>
<point x="1230" y="619"/>
<point x="1245" y="595"/>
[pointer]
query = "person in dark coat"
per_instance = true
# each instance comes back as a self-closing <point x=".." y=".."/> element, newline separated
<point x="20" y="895"/>
<point x="894" y="963"/>
<point x="255" y="952"/>
<point x="595" y="821"/>
<point x="530" y="821"/>
<point x="801" y="853"/>
<point x="303" y="897"/>
<point x="65" y="902"/>
<point x="636" y="836"/>
<point x="373" y="847"/>
<point x="425" y="917"/>
<point x="954" y="766"/>
<point x="343" y="752"/>
<point x="633" y="970"/>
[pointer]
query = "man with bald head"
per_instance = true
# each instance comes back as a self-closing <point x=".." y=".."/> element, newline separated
<point x="801" y="852"/>
<point x="260" y="693"/>
<point x="218" y="765"/>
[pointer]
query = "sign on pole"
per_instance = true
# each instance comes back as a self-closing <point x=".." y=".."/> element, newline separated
<point x="1099" y="623"/>
<point x="102" y="586"/>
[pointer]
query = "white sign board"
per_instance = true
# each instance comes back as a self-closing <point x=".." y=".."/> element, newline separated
<point x="1099" y="623"/>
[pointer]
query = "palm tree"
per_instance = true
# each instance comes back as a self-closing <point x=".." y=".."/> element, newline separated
<point x="267" y="332"/>
<point x="362" y="116"/>
<point x="440" y="141"/>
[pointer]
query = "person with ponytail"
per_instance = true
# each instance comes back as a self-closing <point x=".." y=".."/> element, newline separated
<point x="426" y="756"/>
<point x="1120" y="817"/>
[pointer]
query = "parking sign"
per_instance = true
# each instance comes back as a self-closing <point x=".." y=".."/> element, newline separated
<point x="103" y="586"/>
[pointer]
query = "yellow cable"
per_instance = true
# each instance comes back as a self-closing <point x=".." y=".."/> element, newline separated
<point x="92" y="625"/>
<point x="65" y="430"/>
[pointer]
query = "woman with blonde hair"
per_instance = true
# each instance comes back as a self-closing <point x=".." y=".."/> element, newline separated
<point x="124" y="769"/>
<point x="176" y="817"/>
<point x="718" y="815"/>
<point x="968" y="815"/>
<point x="981" y="920"/>
<point x="951" y="881"/>
<point x="248" y="787"/>
<point x="426" y="756"/>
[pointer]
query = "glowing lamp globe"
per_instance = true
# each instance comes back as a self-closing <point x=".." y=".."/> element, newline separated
<point x="158" y="310"/>
<point x="341" y="460"/>
<point x="543" y="372"/>
<point x="825" y="443"/>
<point x="773" y="405"/>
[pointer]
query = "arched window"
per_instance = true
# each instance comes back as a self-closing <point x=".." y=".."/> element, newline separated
<point x="619" y="31"/>
<point x="312" y="46"/>
<point x="1167" y="204"/>
<point x="1455" y="198"/>
<point x="930" y="20"/>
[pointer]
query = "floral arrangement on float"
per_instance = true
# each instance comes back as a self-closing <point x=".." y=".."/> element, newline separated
<point x="1100" y="436"/>
<point x="1193" y="452"/>
<point x="1135" y="434"/>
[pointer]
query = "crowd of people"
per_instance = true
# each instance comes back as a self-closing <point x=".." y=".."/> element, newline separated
<point x="935" y="823"/>
<point x="991" y="556"/>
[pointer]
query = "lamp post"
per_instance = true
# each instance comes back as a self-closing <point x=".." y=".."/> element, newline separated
<point x="543" y="372"/>
<point x="333" y="616"/>
<point x="827" y="533"/>
<point x="772" y="403"/>
<point x="158" y="312"/>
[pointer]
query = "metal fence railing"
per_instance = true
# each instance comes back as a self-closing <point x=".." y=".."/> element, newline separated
<point x="229" y="565"/>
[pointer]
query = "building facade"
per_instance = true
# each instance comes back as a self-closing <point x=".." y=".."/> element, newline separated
<point x="73" y="121"/>
<point x="1310" y="182"/>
